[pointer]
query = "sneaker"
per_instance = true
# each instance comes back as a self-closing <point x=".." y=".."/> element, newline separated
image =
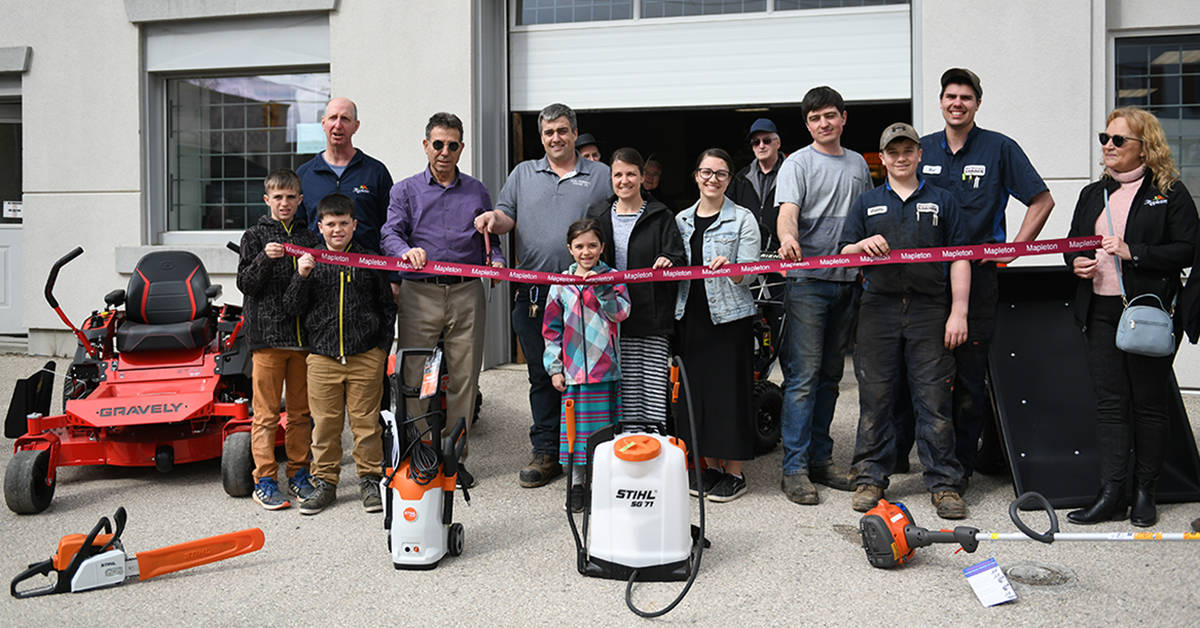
<point x="464" y="479"/>
<point x="579" y="497"/>
<point x="728" y="488"/>
<point x="949" y="505"/>
<point x="541" y="469"/>
<point x="866" y="496"/>
<point x="832" y="476"/>
<point x="368" y="489"/>
<point x="323" y="495"/>
<point x="708" y="478"/>
<point x="301" y="484"/>
<point x="799" y="488"/>
<point x="267" y="495"/>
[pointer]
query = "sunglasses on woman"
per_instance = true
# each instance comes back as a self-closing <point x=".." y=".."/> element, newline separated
<point x="1117" y="140"/>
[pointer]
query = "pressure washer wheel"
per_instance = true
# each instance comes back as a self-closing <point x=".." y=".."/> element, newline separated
<point x="768" y="407"/>
<point x="454" y="544"/>
<point x="26" y="489"/>
<point x="237" y="465"/>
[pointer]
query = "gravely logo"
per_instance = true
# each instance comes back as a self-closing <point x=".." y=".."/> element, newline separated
<point x="149" y="408"/>
<point x="999" y="250"/>
<point x="637" y="499"/>
<point x="916" y="255"/>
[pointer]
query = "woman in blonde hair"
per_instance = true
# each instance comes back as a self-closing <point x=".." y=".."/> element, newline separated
<point x="1149" y="224"/>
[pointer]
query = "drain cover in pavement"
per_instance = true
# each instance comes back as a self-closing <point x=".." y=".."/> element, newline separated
<point x="1039" y="574"/>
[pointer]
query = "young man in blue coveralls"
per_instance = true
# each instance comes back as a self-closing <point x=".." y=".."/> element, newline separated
<point x="906" y="321"/>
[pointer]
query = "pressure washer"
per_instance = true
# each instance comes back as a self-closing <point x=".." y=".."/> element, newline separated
<point x="890" y="537"/>
<point x="418" y="487"/>
<point x="637" y="523"/>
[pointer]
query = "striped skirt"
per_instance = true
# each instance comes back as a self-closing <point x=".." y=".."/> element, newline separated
<point x="645" y="377"/>
<point x="596" y="406"/>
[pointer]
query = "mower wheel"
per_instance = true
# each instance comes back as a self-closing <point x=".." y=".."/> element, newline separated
<point x="26" y="490"/>
<point x="454" y="542"/>
<point x="768" y="407"/>
<point x="237" y="465"/>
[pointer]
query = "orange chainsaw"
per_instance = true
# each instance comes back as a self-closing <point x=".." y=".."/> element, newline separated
<point x="98" y="559"/>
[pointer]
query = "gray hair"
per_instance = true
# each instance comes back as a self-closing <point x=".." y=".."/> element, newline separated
<point x="556" y="111"/>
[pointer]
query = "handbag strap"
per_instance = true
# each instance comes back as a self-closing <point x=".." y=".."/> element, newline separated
<point x="1116" y="259"/>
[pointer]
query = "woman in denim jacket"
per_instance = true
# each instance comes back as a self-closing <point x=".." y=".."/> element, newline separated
<point x="715" y="328"/>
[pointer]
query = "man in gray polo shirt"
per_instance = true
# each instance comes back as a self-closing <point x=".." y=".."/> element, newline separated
<point x="542" y="197"/>
<point x="815" y="188"/>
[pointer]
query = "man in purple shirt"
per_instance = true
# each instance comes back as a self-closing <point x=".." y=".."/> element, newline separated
<point x="431" y="218"/>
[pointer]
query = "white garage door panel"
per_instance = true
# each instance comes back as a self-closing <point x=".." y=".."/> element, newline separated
<point x="865" y="55"/>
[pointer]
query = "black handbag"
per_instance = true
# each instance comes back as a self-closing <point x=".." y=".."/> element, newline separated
<point x="1145" y="329"/>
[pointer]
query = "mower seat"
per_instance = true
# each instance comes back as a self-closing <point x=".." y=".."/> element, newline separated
<point x="167" y="304"/>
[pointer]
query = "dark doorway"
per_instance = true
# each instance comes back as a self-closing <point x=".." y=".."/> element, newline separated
<point x="676" y="136"/>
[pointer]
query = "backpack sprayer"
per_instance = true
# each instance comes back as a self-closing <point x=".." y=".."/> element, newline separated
<point x="639" y="512"/>
<point x="890" y="537"/>
<point x="418" y="487"/>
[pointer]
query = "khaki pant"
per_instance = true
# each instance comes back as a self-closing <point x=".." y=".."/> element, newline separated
<point x="426" y="311"/>
<point x="272" y="369"/>
<point x="351" y="390"/>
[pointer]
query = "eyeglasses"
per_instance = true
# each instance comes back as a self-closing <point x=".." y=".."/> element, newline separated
<point x="438" y="145"/>
<point x="708" y="173"/>
<point x="762" y="140"/>
<point x="1117" y="140"/>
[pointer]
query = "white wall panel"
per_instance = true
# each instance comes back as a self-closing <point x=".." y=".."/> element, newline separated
<point x="864" y="54"/>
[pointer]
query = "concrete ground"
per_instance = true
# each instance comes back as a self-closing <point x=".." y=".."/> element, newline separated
<point x="771" y="563"/>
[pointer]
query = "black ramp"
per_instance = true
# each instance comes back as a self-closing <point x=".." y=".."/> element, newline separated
<point x="1044" y="401"/>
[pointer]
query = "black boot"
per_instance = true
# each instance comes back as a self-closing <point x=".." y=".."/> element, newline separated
<point x="1143" y="514"/>
<point x="1109" y="506"/>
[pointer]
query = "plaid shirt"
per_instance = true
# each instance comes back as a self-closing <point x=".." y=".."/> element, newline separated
<point x="580" y="328"/>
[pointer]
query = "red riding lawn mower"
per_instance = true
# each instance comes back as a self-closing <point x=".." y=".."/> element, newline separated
<point x="161" y="382"/>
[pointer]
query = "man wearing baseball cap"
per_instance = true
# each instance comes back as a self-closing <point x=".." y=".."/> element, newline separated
<point x="910" y="317"/>
<point x="981" y="169"/>
<point x="753" y="187"/>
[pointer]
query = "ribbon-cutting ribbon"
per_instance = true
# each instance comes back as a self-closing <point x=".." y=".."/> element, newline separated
<point x="686" y="273"/>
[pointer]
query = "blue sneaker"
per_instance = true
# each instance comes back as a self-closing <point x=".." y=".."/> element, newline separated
<point x="267" y="495"/>
<point x="301" y="484"/>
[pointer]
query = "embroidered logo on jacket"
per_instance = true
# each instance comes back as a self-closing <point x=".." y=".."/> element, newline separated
<point x="1158" y="199"/>
<point x="362" y="189"/>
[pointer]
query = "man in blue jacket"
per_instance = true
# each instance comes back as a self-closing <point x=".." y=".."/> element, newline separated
<point x="341" y="168"/>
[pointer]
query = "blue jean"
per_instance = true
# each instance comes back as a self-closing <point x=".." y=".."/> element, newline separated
<point x="544" y="400"/>
<point x="813" y="357"/>
<point x="908" y="331"/>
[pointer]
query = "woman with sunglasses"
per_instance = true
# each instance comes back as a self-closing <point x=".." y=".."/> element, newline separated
<point x="1149" y="225"/>
<point x="640" y="232"/>
<point x="715" y="329"/>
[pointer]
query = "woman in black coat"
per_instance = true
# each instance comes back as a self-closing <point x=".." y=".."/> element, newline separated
<point x="1152" y="239"/>
<point x="640" y="232"/>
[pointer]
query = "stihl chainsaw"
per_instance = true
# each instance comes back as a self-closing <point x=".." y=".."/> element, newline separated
<point x="98" y="559"/>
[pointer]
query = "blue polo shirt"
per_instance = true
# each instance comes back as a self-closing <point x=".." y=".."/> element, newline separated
<point x="988" y="169"/>
<point x="930" y="217"/>
<point x="365" y="180"/>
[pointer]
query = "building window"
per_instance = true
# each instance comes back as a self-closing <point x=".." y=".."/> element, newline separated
<point x="561" y="11"/>
<point x="677" y="8"/>
<point x="1162" y="75"/>
<point x="225" y="133"/>
<point x="788" y="5"/>
<point x="10" y="164"/>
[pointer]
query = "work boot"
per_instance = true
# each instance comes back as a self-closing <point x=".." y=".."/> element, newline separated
<point x="300" y="484"/>
<point x="866" y="496"/>
<point x="267" y="495"/>
<point x="799" y="488"/>
<point x="368" y="489"/>
<point x="1108" y="506"/>
<point x="323" y="496"/>
<point x="949" y="505"/>
<point x="832" y="476"/>
<point x="1143" y="514"/>
<point x="708" y="478"/>
<point x="541" y="469"/>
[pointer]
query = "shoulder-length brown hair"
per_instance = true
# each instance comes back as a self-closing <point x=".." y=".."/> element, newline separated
<point x="1154" y="144"/>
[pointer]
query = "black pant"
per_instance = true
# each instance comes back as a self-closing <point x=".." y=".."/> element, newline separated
<point x="544" y="401"/>
<point x="1132" y="392"/>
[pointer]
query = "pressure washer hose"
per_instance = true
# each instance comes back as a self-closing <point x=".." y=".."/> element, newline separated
<point x="699" y="542"/>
